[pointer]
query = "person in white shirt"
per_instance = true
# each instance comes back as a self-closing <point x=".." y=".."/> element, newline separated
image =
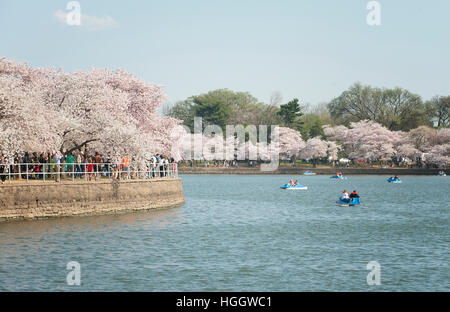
<point x="153" y="166"/>
<point x="57" y="159"/>
<point x="161" y="167"/>
<point x="345" y="197"/>
<point x="78" y="166"/>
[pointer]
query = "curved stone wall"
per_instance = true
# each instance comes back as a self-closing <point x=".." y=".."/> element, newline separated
<point x="30" y="200"/>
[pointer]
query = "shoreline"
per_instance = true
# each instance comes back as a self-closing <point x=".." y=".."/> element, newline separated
<point x="318" y="171"/>
<point x="39" y="200"/>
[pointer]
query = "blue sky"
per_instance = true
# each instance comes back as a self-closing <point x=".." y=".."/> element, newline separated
<point x="312" y="50"/>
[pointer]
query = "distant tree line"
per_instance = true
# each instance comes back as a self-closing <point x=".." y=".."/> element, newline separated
<point x="396" y="109"/>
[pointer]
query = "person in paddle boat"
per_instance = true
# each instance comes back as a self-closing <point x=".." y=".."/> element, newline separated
<point x="345" y="197"/>
<point x="295" y="183"/>
<point x="394" y="179"/>
<point x="354" y="198"/>
<point x="354" y="194"/>
<point x="291" y="183"/>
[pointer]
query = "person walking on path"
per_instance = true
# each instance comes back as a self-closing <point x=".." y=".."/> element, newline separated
<point x="125" y="165"/>
<point x="57" y="159"/>
<point x="78" y="167"/>
<point x="98" y="159"/>
<point x="2" y="169"/>
<point x="70" y="160"/>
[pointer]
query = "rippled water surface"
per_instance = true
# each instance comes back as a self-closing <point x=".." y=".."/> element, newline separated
<point x="243" y="233"/>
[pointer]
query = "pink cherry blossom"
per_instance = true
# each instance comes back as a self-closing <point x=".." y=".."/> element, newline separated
<point x="290" y="142"/>
<point x="112" y="112"/>
<point x="315" y="148"/>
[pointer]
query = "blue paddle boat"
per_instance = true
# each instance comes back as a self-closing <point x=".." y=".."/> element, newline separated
<point x="288" y="186"/>
<point x="337" y="177"/>
<point x="442" y="174"/>
<point x="309" y="173"/>
<point x="394" y="180"/>
<point x="350" y="202"/>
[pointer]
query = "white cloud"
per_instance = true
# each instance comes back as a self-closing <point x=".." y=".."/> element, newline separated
<point x="89" y="22"/>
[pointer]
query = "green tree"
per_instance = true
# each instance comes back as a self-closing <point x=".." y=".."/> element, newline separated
<point x="225" y="107"/>
<point x="212" y="108"/>
<point x="438" y="110"/>
<point x="312" y="126"/>
<point x="291" y="113"/>
<point x="184" y="111"/>
<point x="397" y="109"/>
<point x="401" y="110"/>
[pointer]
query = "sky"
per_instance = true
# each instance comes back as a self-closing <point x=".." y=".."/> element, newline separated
<point x="311" y="50"/>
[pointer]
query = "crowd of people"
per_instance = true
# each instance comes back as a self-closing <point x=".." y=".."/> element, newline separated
<point x="78" y="165"/>
<point x="217" y="163"/>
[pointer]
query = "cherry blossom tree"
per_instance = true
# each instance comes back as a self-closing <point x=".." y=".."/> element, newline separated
<point x="439" y="155"/>
<point x="408" y="150"/>
<point x="24" y="125"/>
<point x="290" y="143"/>
<point x="420" y="137"/>
<point x="370" y="140"/>
<point x="232" y="145"/>
<point x="314" y="149"/>
<point x="332" y="150"/>
<point x="112" y="112"/>
<point x="428" y="142"/>
<point x="442" y="136"/>
<point x="438" y="150"/>
<point x="213" y="147"/>
<point x="335" y="133"/>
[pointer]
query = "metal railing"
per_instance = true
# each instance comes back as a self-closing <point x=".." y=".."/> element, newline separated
<point x="86" y="171"/>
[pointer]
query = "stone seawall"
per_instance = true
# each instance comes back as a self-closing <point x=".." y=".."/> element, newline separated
<point x="300" y="170"/>
<point x="22" y="200"/>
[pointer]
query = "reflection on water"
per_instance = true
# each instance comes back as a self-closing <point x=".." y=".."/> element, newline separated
<point x="32" y="245"/>
<point x="243" y="233"/>
<point x="32" y="229"/>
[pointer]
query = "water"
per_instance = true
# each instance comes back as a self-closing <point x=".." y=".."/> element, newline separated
<point x="243" y="233"/>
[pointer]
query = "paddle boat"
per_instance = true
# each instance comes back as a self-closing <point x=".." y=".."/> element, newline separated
<point x="337" y="176"/>
<point x="288" y="186"/>
<point x="351" y="202"/>
<point x="442" y="174"/>
<point x="309" y="173"/>
<point x="394" y="180"/>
